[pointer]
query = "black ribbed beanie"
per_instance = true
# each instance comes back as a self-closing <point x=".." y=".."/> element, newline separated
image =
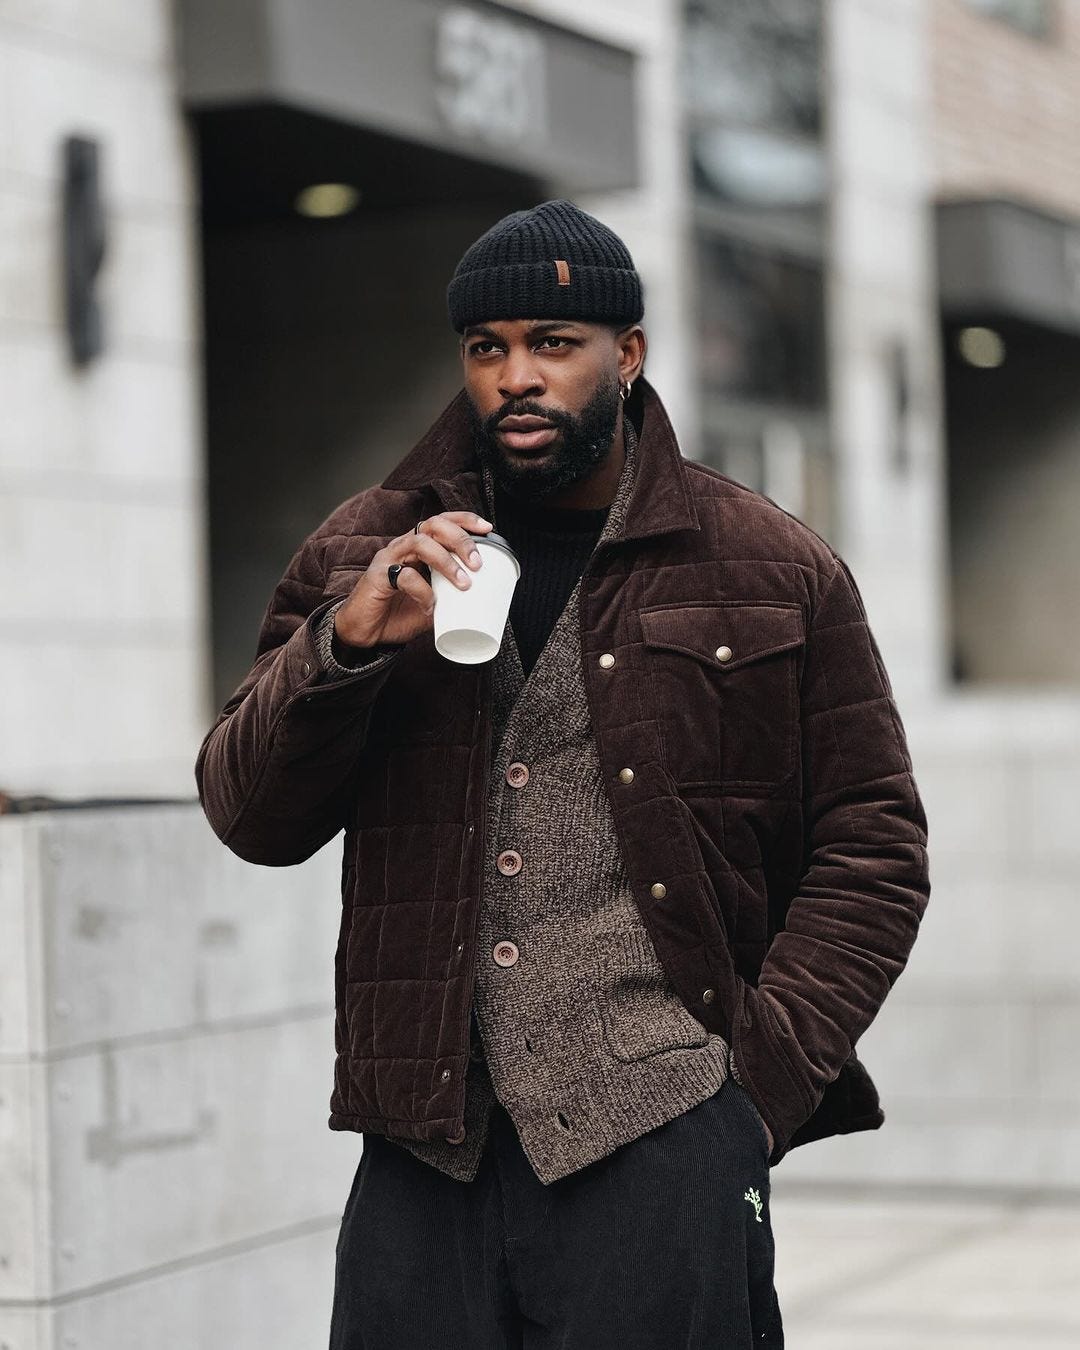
<point x="554" y="261"/>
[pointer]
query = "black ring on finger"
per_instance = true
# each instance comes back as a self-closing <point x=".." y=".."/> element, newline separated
<point x="393" y="572"/>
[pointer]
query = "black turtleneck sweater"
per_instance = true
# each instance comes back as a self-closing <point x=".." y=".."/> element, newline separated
<point x="553" y="544"/>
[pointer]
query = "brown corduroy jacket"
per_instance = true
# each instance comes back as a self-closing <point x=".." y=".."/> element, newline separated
<point x="772" y="830"/>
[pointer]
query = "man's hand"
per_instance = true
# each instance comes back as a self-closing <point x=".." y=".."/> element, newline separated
<point x="375" y="612"/>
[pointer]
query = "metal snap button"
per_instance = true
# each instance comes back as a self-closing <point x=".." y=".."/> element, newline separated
<point x="626" y="775"/>
<point x="723" y="653"/>
<point x="658" y="890"/>
<point x="708" y="995"/>
<point x="607" y="660"/>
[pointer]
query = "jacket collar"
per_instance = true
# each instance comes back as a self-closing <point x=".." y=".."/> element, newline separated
<point x="661" y="501"/>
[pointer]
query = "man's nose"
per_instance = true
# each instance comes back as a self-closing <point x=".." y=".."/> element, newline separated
<point x="519" y="378"/>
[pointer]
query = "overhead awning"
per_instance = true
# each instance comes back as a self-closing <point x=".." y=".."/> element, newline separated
<point x="475" y="79"/>
<point x="1001" y="258"/>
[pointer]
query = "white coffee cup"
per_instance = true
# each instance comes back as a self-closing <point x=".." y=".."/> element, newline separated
<point x="470" y="620"/>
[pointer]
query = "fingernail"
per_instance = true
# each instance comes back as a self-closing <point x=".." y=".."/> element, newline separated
<point x="474" y="558"/>
<point x="483" y="521"/>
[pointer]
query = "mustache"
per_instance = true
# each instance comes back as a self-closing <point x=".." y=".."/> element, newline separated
<point x="527" y="408"/>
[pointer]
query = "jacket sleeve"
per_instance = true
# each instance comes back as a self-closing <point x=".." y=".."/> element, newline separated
<point x="865" y="881"/>
<point x="273" y="772"/>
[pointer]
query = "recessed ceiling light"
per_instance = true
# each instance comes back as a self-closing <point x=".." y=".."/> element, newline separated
<point x="322" y="200"/>
<point x="982" y="347"/>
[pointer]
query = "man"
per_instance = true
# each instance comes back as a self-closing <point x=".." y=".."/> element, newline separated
<point x="618" y="903"/>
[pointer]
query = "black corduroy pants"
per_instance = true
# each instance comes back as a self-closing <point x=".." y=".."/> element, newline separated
<point x="665" y="1244"/>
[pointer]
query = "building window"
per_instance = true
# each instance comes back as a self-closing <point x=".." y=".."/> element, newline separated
<point x="753" y="90"/>
<point x="1034" y="17"/>
<point x="761" y="323"/>
<point x="752" y="75"/>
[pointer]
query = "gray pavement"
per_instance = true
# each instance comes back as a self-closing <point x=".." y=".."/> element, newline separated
<point x="926" y="1269"/>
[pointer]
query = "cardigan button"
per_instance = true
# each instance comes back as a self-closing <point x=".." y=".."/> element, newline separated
<point x="509" y="862"/>
<point x="505" y="953"/>
<point x="517" y="775"/>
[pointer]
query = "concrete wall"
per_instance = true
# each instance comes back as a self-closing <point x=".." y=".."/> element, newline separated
<point x="167" y="1176"/>
<point x="881" y="299"/>
<point x="102" y="621"/>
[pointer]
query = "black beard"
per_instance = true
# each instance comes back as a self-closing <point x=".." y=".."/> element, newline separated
<point x="583" y="444"/>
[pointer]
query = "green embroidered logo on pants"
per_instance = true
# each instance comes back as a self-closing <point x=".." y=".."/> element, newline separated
<point x="755" y="1199"/>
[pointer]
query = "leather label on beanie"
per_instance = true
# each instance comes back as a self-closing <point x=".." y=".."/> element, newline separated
<point x="562" y="271"/>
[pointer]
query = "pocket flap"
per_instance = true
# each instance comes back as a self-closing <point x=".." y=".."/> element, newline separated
<point x="740" y="632"/>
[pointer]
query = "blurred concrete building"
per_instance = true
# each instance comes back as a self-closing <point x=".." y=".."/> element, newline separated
<point x="954" y="328"/>
<point x="228" y="225"/>
<point x="1007" y="181"/>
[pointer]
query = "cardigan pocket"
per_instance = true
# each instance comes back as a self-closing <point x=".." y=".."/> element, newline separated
<point x="640" y="1011"/>
<point x="724" y="680"/>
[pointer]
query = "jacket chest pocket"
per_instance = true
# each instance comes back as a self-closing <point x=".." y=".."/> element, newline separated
<point x="722" y="678"/>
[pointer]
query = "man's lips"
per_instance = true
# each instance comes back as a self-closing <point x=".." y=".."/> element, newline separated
<point x="528" y="422"/>
<point x="527" y="433"/>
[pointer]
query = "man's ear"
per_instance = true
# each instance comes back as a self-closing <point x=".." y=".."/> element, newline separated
<point x="632" y="345"/>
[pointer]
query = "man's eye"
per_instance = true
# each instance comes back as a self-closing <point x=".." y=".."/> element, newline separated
<point x="481" y="348"/>
<point x="560" y="340"/>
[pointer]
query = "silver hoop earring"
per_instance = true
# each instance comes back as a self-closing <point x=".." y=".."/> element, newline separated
<point x="624" y="391"/>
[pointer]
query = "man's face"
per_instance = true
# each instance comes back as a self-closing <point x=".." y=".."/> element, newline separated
<point x="544" y="395"/>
